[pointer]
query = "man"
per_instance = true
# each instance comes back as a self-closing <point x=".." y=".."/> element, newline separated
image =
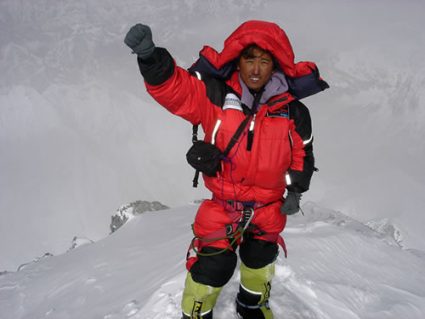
<point x="253" y="81"/>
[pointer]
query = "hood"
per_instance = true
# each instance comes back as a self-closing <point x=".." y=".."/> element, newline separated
<point x="267" y="35"/>
<point x="303" y="77"/>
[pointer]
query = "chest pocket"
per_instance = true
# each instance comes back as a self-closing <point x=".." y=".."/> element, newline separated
<point x="274" y="150"/>
<point x="276" y="124"/>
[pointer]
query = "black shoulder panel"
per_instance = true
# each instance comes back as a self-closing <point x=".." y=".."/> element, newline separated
<point x="205" y="67"/>
<point x="301" y="116"/>
<point x="216" y="88"/>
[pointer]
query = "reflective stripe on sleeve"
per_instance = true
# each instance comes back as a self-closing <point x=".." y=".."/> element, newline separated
<point x="309" y="140"/>
<point x="214" y="133"/>
<point x="288" y="179"/>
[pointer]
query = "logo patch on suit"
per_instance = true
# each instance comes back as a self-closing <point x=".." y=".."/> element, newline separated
<point x="283" y="112"/>
<point x="196" y="311"/>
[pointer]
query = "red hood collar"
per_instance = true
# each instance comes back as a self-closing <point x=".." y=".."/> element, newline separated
<point x="303" y="77"/>
<point x="266" y="35"/>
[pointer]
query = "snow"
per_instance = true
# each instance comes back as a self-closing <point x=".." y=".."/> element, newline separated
<point x="337" y="267"/>
<point x="80" y="138"/>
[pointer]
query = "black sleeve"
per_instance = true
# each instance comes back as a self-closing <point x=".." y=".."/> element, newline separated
<point x="300" y="180"/>
<point x="158" y="67"/>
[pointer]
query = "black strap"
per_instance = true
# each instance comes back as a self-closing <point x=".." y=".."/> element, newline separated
<point x="232" y="142"/>
<point x="237" y="134"/>
<point x="256" y="102"/>
<point x="195" y="179"/>
<point x="194" y="140"/>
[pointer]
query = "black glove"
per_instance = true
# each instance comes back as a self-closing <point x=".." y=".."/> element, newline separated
<point x="291" y="204"/>
<point x="139" y="39"/>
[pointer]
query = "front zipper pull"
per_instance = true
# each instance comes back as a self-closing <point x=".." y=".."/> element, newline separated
<point x="250" y="137"/>
<point x="255" y="104"/>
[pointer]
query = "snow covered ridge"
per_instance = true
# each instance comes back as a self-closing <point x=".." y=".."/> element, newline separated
<point x="133" y="209"/>
<point x="123" y="215"/>
<point x="337" y="267"/>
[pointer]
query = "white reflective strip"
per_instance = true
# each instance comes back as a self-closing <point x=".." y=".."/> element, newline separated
<point x="288" y="179"/>
<point x="309" y="140"/>
<point x="251" y="291"/>
<point x="206" y="312"/>
<point x="198" y="75"/>
<point x="214" y="133"/>
<point x="202" y="314"/>
<point x="234" y="107"/>
<point x="231" y="101"/>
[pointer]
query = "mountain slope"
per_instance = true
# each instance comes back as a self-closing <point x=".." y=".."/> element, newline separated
<point x="336" y="268"/>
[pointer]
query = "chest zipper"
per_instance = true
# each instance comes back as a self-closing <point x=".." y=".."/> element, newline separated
<point x="255" y="105"/>
<point x="250" y="137"/>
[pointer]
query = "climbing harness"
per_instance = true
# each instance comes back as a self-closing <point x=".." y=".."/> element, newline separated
<point x="242" y="215"/>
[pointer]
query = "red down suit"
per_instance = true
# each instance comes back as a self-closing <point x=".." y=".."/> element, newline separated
<point x="281" y="147"/>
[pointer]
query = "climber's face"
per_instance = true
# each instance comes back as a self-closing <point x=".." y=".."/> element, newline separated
<point x="256" y="68"/>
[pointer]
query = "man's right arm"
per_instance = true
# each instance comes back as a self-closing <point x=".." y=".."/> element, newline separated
<point x="171" y="86"/>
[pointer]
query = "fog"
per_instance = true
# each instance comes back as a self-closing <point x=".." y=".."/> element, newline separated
<point x="79" y="136"/>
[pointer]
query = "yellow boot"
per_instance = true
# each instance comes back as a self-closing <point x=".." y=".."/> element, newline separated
<point x="198" y="299"/>
<point x="252" y="301"/>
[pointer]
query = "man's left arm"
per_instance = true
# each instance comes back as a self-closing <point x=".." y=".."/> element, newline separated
<point x="302" y="165"/>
